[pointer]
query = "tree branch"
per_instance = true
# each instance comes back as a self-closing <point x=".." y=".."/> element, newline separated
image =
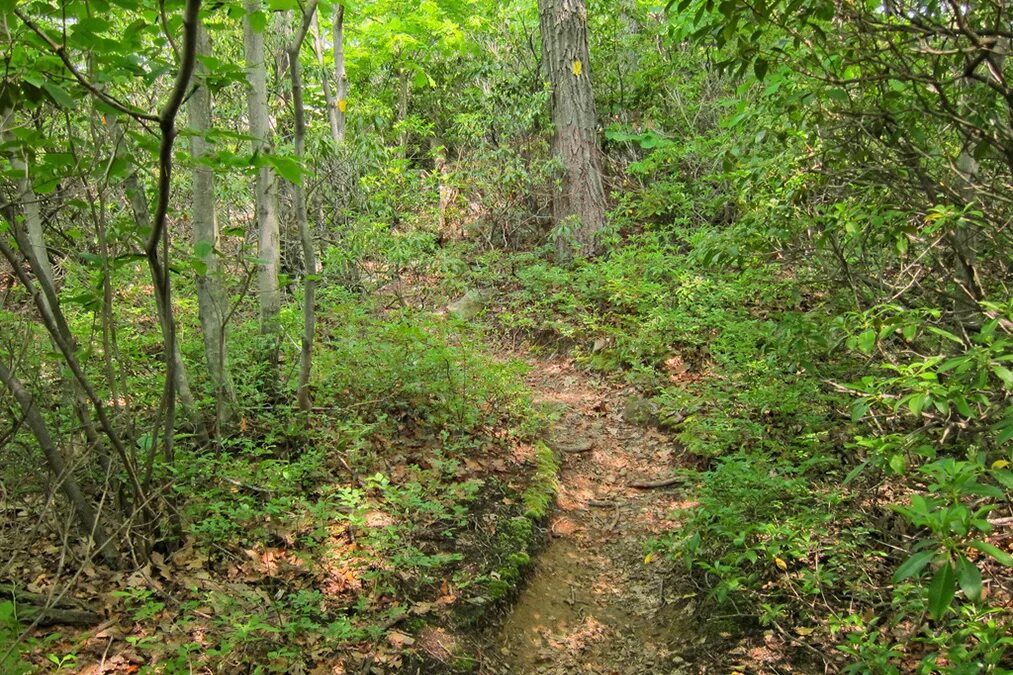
<point x="61" y="52"/>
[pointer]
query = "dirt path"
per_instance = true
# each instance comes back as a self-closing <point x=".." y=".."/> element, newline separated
<point x="592" y="603"/>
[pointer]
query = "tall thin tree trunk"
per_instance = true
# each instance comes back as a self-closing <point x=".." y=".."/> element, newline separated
<point x="211" y="298"/>
<point x="325" y="80"/>
<point x="579" y="209"/>
<point x="404" y="92"/>
<point x="269" y="241"/>
<point x="340" y="76"/>
<point x="139" y="208"/>
<point x="308" y="252"/>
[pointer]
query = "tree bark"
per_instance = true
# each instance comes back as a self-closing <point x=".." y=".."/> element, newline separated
<point x="139" y="208"/>
<point x="579" y="208"/>
<point x="325" y="80"/>
<point x="302" y="221"/>
<point x="340" y="76"/>
<point x="269" y="239"/>
<point x="211" y="298"/>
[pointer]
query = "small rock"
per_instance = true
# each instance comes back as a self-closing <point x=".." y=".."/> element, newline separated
<point x="470" y="304"/>
<point x="639" y="410"/>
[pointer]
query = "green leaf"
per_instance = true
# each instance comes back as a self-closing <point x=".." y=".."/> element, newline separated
<point x="258" y="22"/>
<point x="1003" y="374"/>
<point x="59" y="95"/>
<point x="994" y="551"/>
<point x="917" y="403"/>
<point x="969" y="578"/>
<point x="202" y="249"/>
<point x="839" y="95"/>
<point x="1004" y="476"/>
<point x="760" y="68"/>
<point x="941" y="591"/>
<point x="867" y="341"/>
<point x="944" y="334"/>
<point x="962" y="407"/>
<point x="859" y="409"/>
<point x="287" y="167"/>
<point x="913" y="565"/>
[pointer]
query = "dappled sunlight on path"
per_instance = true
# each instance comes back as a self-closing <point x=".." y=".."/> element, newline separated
<point x="595" y="603"/>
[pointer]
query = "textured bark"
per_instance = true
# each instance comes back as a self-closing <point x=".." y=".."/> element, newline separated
<point x="211" y="298"/>
<point x="269" y="239"/>
<point x="579" y="208"/>
<point x="302" y="221"/>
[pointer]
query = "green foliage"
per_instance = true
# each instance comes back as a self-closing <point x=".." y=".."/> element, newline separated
<point x="10" y="629"/>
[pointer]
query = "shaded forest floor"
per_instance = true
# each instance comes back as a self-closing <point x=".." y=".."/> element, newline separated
<point x="463" y="502"/>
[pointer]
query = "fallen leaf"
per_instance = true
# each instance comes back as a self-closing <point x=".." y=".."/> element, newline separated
<point x="399" y="639"/>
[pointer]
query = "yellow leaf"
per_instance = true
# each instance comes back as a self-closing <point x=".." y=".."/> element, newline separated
<point x="1000" y="464"/>
<point x="648" y="558"/>
<point x="803" y="631"/>
<point x="343" y="105"/>
<point x="577" y="67"/>
<point x="781" y="564"/>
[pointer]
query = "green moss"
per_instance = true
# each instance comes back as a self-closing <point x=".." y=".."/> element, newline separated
<point x="516" y="536"/>
<point x="542" y="490"/>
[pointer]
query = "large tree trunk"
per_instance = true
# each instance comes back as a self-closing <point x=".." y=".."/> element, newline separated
<point x="211" y="298"/>
<point x="269" y="242"/>
<point x="579" y="209"/>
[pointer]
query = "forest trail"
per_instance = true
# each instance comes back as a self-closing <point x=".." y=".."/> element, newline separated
<point x="594" y="602"/>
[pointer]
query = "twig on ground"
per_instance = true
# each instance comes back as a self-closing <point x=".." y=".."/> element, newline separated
<point x="651" y="484"/>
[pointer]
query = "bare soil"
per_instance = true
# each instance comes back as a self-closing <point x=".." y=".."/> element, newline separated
<point x="595" y="600"/>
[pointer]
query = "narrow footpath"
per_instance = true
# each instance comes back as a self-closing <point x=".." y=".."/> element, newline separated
<point x="595" y="601"/>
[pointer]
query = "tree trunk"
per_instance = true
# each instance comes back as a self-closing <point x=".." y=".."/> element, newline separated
<point x="340" y="77"/>
<point x="404" y="91"/>
<point x="211" y="298"/>
<point x="139" y="207"/>
<point x="579" y="209"/>
<point x="269" y="240"/>
<point x="325" y="81"/>
<point x="302" y="221"/>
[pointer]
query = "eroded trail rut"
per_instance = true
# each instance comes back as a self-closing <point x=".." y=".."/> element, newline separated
<point x="594" y="602"/>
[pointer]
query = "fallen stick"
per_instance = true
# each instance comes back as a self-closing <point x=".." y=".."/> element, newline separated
<point x="33" y="608"/>
<point x="48" y="616"/>
<point x="650" y="484"/>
